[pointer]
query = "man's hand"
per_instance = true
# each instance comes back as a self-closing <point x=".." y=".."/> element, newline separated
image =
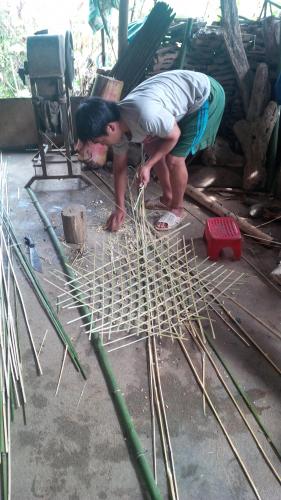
<point x="144" y="175"/>
<point x="116" y="220"/>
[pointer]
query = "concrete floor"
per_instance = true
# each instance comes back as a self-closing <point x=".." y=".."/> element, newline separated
<point x="79" y="453"/>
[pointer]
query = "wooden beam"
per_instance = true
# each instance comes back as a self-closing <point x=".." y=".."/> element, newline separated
<point x="123" y="26"/>
<point x="254" y="138"/>
<point x="260" y="95"/>
<point x="235" y="48"/>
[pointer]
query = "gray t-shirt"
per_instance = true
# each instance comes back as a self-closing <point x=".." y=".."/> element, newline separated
<point x="152" y="108"/>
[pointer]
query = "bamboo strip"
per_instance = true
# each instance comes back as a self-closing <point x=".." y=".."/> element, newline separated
<point x="163" y="408"/>
<point x="24" y="309"/>
<point x="230" y="394"/>
<point x="254" y="316"/>
<point x="43" y="342"/>
<point x="203" y="381"/>
<point x="233" y="447"/>
<point x="61" y="371"/>
<point x="82" y="392"/>
<point x="152" y="402"/>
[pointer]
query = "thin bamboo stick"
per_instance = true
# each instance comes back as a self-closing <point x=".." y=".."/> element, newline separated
<point x="254" y="316"/>
<point x="24" y="310"/>
<point x="203" y="347"/>
<point x="164" y="444"/>
<point x="152" y="402"/>
<point x="230" y="442"/>
<point x="163" y="408"/>
<point x="61" y="371"/>
<point x="263" y="276"/>
<point x="43" y="342"/>
<point x="203" y="381"/>
<point x="82" y="392"/>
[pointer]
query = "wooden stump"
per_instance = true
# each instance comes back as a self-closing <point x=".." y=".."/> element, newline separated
<point x="107" y="87"/>
<point x="74" y="223"/>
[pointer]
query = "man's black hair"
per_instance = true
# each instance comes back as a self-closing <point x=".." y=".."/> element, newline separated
<point x="92" y="117"/>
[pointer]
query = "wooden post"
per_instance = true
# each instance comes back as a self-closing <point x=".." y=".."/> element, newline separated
<point x="102" y="47"/>
<point x="123" y="26"/>
<point x="74" y="223"/>
<point x="235" y="48"/>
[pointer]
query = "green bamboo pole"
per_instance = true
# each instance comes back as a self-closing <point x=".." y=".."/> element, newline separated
<point x="4" y="476"/>
<point x="43" y="298"/>
<point x="186" y="41"/>
<point x="1" y="423"/>
<point x="122" y="411"/>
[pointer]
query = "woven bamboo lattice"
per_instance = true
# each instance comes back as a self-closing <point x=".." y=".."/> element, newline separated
<point x="147" y="286"/>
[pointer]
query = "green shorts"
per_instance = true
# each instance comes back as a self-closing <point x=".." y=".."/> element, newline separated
<point x="199" y="130"/>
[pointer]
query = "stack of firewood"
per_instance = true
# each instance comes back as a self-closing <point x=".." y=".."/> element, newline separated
<point x="207" y="53"/>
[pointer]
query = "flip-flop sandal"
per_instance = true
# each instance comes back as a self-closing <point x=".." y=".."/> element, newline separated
<point x="170" y="219"/>
<point x="155" y="204"/>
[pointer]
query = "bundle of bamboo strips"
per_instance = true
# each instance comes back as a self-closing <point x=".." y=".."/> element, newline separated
<point x="133" y="63"/>
<point x="40" y="294"/>
<point x="12" y="393"/>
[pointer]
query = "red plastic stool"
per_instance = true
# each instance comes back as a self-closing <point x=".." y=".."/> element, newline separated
<point x="222" y="232"/>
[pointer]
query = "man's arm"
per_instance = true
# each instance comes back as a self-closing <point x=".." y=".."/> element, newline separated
<point x="117" y="218"/>
<point x="162" y="147"/>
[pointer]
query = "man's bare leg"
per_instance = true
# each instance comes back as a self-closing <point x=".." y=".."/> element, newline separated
<point x="178" y="178"/>
<point x="163" y="175"/>
<point x="162" y="172"/>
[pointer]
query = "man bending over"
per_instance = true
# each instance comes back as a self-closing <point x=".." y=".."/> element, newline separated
<point x="174" y="114"/>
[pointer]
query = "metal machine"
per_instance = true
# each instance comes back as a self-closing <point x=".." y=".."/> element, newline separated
<point x="50" y="66"/>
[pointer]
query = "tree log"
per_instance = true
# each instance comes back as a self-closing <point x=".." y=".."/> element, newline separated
<point x="260" y="95"/>
<point x="254" y="138"/>
<point x="74" y="223"/>
<point x="218" y="209"/>
<point x="235" y="48"/>
<point x="271" y="35"/>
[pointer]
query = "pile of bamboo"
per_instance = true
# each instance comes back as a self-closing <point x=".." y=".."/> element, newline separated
<point x="12" y="392"/>
<point x="132" y="64"/>
<point x="12" y="310"/>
